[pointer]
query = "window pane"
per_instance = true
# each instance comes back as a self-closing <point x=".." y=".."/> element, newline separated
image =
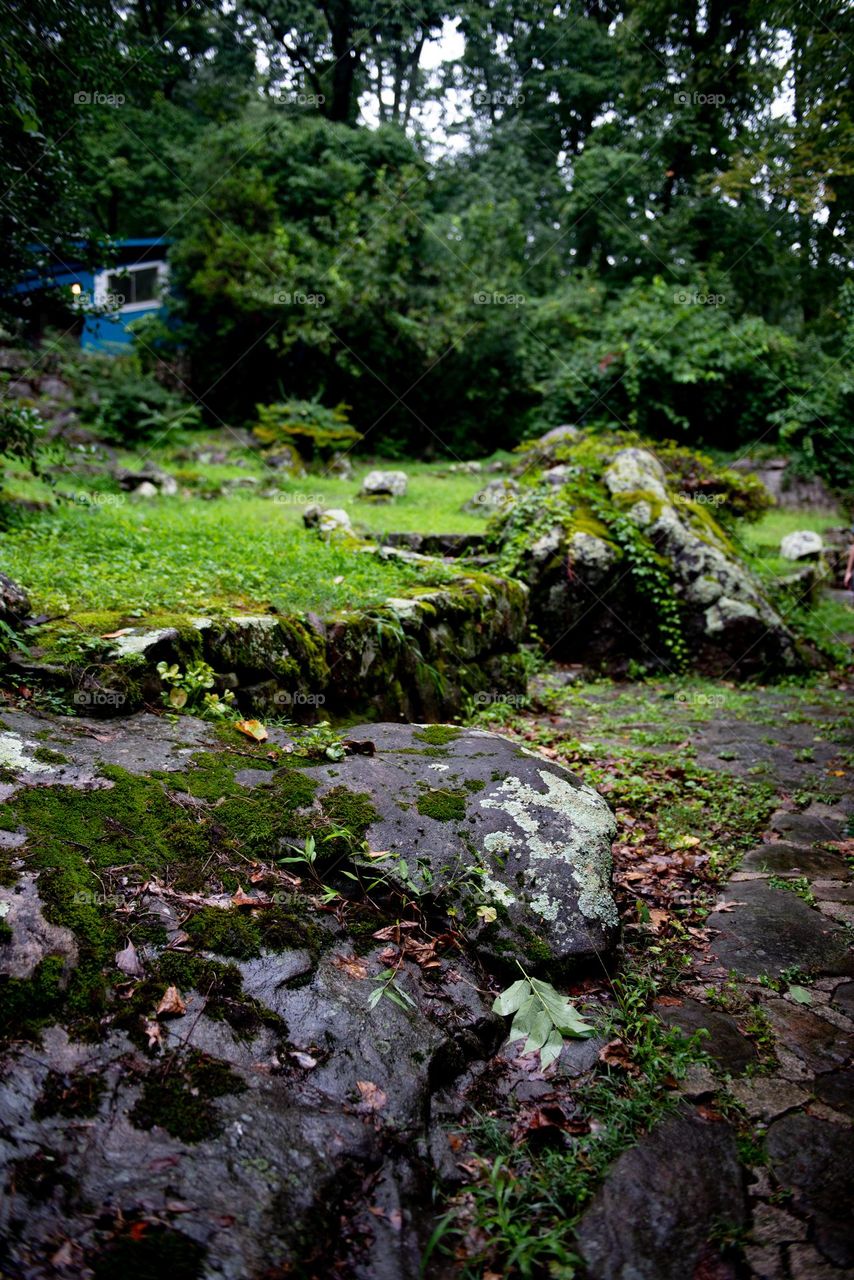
<point x="145" y="284"/>
<point x="119" y="289"/>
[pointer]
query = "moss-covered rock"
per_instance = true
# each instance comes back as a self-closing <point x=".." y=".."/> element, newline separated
<point x="633" y="559"/>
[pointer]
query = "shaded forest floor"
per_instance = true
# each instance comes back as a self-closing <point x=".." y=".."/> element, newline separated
<point x="727" y="1052"/>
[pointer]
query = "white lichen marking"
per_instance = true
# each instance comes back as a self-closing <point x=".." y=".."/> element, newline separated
<point x="580" y="827"/>
<point x="13" y="754"/>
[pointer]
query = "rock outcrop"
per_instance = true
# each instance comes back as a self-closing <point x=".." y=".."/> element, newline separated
<point x="237" y="1077"/>
<point x="627" y="561"/>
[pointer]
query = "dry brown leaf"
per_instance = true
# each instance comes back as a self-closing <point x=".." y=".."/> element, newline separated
<point x="252" y="729"/>
<point x="241" y="899"/>
<point x="351" y="965"/>
<point x="114" y="635"/>
<point x="373" y="1098"/>
<point x="615" y="1054"/>
<point x="392" y="932"/>
<point x="129" y="962"/>
<point x="171" y="1005"/>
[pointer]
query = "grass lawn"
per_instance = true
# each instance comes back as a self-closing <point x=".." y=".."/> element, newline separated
<point x="91" y="547"/>
<point x="433" y="502"/>
<point x="830" y="622"/>
<point x="174" y="554"/>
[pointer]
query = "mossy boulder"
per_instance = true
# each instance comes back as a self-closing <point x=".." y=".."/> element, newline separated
<point x="510" y="845"/>
<point x="635" y="559"/>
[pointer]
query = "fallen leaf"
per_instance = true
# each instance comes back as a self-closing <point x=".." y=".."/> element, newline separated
<point x="351" y="965"/>
<point x="800" y="994"/>
<point x="252" y="729"/>
<point x="154" y="1031"/>
<point x="241" y="899"/>
<point x="171" y="1004"/>
<point x="615" y="1054"/>
<point x="114" y="635"/>
<point x="129" y="962"/>
<point x="392" y="932"/>
<point x="373" y="1098"/>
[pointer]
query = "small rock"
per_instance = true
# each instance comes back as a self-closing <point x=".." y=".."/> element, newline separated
<point x="764" y="1098"/>
<point x="803" y="544"/>
<point x="661" y="1201"/>
<point x="563" y="434"/>
<point x="14" y="601"/>
<point x="813" y="1157"/>
<point x="384" y="484"/>
<point x="326" y="520"/>
<point x="496" y="495"/>
<point x="146" y="490"/>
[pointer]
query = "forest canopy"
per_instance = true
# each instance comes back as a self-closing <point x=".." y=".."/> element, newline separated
<point x="467" y="224"/>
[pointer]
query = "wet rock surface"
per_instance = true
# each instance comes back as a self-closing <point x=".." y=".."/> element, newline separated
<point x="245" y="1106"/>
<point x="765" y="930"/>
<point x="535" y="839"/>
<point x="655" y="1218"/>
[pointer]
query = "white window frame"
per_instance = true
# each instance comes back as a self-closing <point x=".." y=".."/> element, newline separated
<point x="101" y="286"/>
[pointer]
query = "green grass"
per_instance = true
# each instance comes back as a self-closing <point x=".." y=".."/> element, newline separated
<point x="433" y="502"/>
<point x="171" y="554"/>
<point x="761" y="541"/>
<point x="87" y="546"/>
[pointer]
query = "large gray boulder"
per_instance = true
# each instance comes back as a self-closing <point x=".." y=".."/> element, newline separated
<point x="641" y="571"/>
<point x="265" y="1109"/>
<point x="513" y="842"/>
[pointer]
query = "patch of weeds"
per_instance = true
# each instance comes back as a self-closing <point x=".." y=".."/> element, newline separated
<point x="799" y="885"/>
<point x="519" y="1217"/>
<point x="180" y="1092"/>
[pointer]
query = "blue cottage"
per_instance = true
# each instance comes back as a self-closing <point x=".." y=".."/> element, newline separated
<point x="112" y="297"/>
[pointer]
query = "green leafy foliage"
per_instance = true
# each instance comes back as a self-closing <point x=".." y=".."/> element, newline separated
<point x="307" y="424"/>
<point x="189" y="690"/>
<point x="542" y="1017"/>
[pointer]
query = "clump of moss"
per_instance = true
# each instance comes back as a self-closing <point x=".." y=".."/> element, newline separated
<point x="77" y="1094"/>
<point x="230" y="932"/>
<point x="443" y="806"/>
<point x="179" y="1094"/>
<point x="438" y="735"/>
<point x="28" y="1004"/>
<point x="47" y="756"/>
<point x="5" y="933"/>
<point x="150" y="1253"/>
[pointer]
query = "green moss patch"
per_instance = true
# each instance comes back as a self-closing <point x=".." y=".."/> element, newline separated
<point x="438" y="735"/>
<point x="179" y="1095"/>
<point x="443" y="806"/>
<point x="77" y="1094"/>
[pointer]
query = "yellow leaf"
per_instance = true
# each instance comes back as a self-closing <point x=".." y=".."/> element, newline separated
<point x="252" y="729"/>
